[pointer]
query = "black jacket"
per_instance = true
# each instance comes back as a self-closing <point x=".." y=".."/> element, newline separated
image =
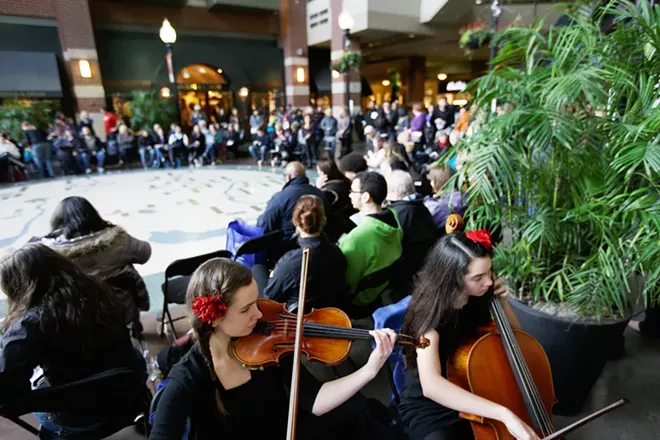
<point x="279" y="210"/>
<point x="447" y="115"/>
<point x="325" y="277"/>
<point x="419" y="233"/>
<point x="338" y="195"/>
<point x="64" y="359"/>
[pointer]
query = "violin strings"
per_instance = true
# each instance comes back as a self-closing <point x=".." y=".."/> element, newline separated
<point x="523" y="370"/>
<point x="524" y="373"/>
<point x="319" y="330"/>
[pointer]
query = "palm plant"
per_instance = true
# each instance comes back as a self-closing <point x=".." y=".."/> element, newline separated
<point x="147" y="108"/>
<point x="571" y="170"/>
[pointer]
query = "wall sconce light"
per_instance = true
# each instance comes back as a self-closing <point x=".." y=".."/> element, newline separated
<point x="85" y="69"/>
<point x="442" y="76"/>
<point x="165" y="92"/>
<point x="300" y="74"/>
<point x="243" y="92"/>
<point x="386" y="82"/>
<point x="335" y="74"/>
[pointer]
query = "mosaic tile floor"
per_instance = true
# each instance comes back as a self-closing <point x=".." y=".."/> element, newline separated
<point x="180" y="212"/>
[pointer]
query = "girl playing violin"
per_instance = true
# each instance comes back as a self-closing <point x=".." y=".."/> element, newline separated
<point x="219" y="398"/>
<point x="450" y="301"/>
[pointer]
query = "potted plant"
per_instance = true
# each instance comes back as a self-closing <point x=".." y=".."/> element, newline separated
<point x="349" y="60"/>
<point x="147" y="108"/>
<point x="475" y="36"/>
<point x="38" y="112"/>
<point x="568" y="171"/>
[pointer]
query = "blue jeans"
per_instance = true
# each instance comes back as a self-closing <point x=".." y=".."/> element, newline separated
<point x="330" y="148"/>
<point x="143" y="152"/>
<point x="211" y="153"/>
<point x="262" y="152"/>
<point x="41" y="155"/>
<point x="158" y="158"/>
<point x="83" y="159"/>
<point x="51" y="430"/>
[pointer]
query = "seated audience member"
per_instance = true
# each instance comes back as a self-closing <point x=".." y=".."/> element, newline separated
<point x="375" y="243"/>
<point x="376" y="156"/>
<point x="160" y="140"/>
<point x="279" y="210"/>
<point x="233" y="136"/>
<point x="90" y="145"/>
<point x="443" y="202"/>
<point x="101" y="249"/>
<point x="125" y="143"/>
<point x="65" y="321"/>
<point x="210" y="390"/>
<point x="327" y="265"/>
<point x="66" y="145"/>
<point x="260" y="145"/>
<point x="352" y="164"/>
<point x="196" y="145"/>
<point x="419" y="230"/>
<point x="463" y="120"/>
<point x="211" y="142"/>
<point x="337" y="189"/>
<point x="145" y="147"/>
<point x="177" y="145"/>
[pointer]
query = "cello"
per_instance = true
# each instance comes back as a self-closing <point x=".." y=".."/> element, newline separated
<point x="509" y="367"/>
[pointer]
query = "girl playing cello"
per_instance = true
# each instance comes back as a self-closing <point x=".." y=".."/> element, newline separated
<point x="451" y="300"/>
<point x="219" y="398"/>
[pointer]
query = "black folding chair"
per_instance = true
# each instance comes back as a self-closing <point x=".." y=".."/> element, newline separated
<point x="270" y="243"/>
<point x="174" y="291"/>
<point x="110" y="388"/>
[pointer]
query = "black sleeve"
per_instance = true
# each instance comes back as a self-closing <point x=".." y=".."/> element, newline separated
<point x="22" y="346"/>
<point x="172" y="411"/>
<point x="309" y="386"/>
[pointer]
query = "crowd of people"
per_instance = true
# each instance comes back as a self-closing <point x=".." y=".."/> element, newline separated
<point x="276" y="137"/>
<point x="375" y="227"/>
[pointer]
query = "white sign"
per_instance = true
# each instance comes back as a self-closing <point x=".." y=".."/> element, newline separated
<point x="456" y="86"/>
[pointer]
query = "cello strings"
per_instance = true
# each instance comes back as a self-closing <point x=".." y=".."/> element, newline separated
<point x="516" y="364"/>
<point x="523" y="370"/>
<point x="525" y="375"/>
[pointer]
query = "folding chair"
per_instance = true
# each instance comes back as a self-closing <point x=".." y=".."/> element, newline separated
<point x="174" y="291"/>
<point x="268" y="243"/>
<point x="392" y="316"/>
<point x="108" y="386"/>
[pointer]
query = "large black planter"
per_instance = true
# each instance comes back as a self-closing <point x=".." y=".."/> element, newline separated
<point x="577" y="351"/>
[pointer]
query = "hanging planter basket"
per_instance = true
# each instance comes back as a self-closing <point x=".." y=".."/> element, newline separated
<point x="475" y="37"/>
<point x="349" y="60"/>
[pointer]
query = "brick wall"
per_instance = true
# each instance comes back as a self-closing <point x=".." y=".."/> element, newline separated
<point x="251" y="22"/>
<point x="73" y="21"/>
<point x="32" y="8"/>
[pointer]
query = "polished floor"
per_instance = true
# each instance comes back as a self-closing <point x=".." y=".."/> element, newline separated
<point x="186" y="212"/>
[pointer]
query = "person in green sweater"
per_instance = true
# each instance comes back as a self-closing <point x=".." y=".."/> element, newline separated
<point x="375" y="243"/>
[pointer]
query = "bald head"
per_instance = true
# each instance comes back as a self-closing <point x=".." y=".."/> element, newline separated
<point x="294" y="169"/>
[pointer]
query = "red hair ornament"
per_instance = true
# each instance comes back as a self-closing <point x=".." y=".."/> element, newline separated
<point x="209" y="308"/>
<point x="480" y="236"/>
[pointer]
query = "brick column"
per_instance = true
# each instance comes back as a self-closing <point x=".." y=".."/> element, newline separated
<point x="293" y="39"/>
<point x="417" y="69"/>
<point x="354" y="78"/>
<point x="74" y="25"/>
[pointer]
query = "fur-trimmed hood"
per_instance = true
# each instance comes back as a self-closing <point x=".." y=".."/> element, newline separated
<point x="106" y="240"/>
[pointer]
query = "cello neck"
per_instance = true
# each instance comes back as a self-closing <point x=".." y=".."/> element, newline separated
<point x="521" y="371"/>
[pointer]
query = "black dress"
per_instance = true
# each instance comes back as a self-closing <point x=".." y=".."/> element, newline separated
<point x="257" y="409"/>
<point x="425" y="419"/>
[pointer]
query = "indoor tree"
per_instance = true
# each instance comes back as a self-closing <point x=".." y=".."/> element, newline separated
<point x="570" y="168"/>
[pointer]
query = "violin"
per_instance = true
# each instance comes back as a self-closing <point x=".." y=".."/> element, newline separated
<point x="509" y="367"/>
<point x="327" y="336"/>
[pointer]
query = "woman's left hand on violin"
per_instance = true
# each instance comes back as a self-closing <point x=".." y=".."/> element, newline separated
<point x="385" y="340"/>
<point x="501" y="290"/>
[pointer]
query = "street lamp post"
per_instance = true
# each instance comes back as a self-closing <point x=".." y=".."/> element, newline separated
<point x="345" y="24"/>
<point x="496" y="11"/>
<point x="167" y="35"/>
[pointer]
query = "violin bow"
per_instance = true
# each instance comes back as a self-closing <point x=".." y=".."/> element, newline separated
<point x="295" y="373"/>
<point x="584" y="421"/>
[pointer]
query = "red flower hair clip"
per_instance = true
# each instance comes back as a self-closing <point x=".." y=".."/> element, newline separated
<point x="480" y="236"/>
<point x="209" y="308"/>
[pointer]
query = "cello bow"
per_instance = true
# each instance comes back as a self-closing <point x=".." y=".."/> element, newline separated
<point x="585" y="420"/>
<point x="295" y="372"/>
